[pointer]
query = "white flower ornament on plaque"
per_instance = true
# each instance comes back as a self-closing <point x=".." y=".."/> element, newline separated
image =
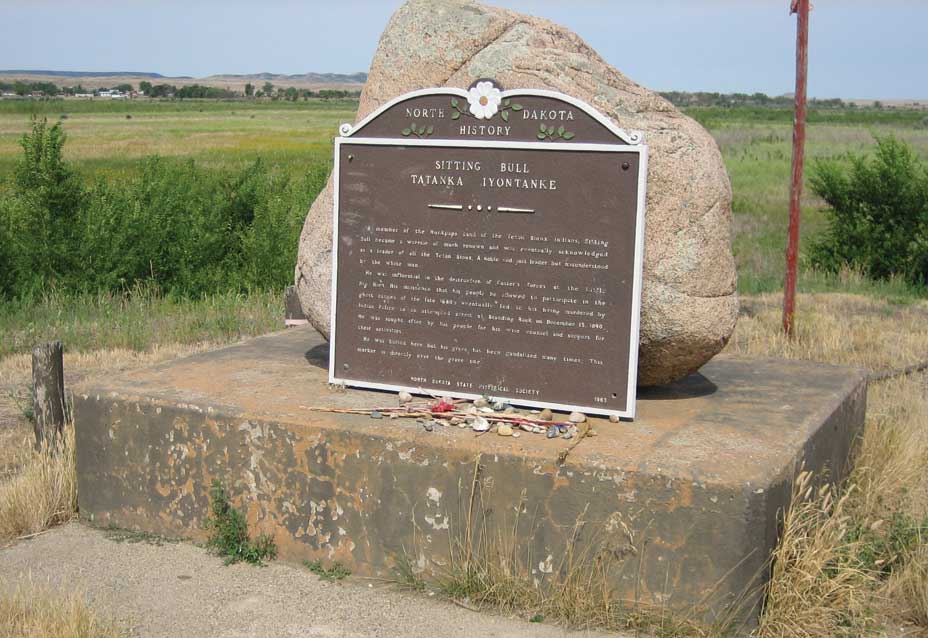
<point x="484" y="100"/>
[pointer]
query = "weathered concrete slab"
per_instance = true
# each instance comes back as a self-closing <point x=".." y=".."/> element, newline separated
<point x="686" y="497"/>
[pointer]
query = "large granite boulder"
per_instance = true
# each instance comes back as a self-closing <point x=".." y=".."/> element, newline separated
<point x="689" y="304"/>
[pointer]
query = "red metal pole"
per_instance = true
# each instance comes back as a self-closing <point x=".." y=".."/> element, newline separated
<point x="800" y="7"/>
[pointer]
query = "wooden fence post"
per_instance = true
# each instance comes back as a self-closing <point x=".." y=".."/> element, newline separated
<point x="49" y="401"/>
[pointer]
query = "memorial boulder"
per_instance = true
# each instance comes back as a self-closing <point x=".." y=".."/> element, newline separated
<point x="689" y="305"/>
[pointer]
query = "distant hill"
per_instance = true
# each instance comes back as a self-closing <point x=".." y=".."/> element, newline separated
<point x="86" y="74"/>
<point x="316" y="78"/>
<point x="108" y="79"/>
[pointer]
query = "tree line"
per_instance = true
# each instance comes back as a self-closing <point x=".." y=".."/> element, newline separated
<point x="703" y="98"/>
<point x="200" y="91"/>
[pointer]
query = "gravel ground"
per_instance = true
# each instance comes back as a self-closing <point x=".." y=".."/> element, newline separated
<point x="177" y="590"/>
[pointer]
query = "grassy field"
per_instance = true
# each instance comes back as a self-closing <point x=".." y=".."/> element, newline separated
<point x="110" y="137"/>
<point x="107" y="139"/>
<point x="758" y="154"/>
<point x="138" y="320"/>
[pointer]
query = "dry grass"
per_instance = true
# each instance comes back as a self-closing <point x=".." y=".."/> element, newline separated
<point x="891" y="472"/>
<point x="16" y="370"/>
<point x="218" y="135"/>
<point x="857" y="556"/>
<point x="33" y="612"/>
<point x="910" y="588"/>
<point x="817" y="588"/>
<point x="43" y="493"/>
<point x="38" y="490"/>
<point x="836" y="328"/>
<point x="491" y="566"/>
<point x="15" y="441"/>
<point x="16" y="376"/>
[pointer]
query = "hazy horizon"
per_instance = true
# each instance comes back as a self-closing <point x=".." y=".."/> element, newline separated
<point x="858" y="50"/>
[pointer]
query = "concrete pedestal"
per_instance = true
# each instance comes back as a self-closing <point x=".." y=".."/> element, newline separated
<point x="684" y="501"/>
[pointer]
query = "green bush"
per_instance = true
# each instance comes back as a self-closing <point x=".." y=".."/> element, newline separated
<point x="7" y="276"/>
<point x="184" y="229"/>
<point x="878" y="214"/>
<point x="229" y="532"/>
<point x="41" y="212"/>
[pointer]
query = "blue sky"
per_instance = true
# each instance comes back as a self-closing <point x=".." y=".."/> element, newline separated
<point x="859" y="49"/>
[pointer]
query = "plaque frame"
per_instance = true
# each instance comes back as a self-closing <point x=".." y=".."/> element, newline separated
<point x="633" y="143"/>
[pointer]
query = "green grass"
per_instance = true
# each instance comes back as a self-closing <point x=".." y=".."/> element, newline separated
<point x="103" y="142"/>
<point x="295" y="137"/>
<point x="757" y="154"/>
<point x="712" y="117"/>
<point x="229" y="532"/>
<point x="136" y="321"/>
<point x="332" y="574"/>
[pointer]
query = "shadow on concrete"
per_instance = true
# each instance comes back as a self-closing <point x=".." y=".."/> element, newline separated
<point x="692" y="387"/>
<point x="319" y="356"/>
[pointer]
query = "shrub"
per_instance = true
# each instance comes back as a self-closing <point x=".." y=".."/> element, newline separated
<point x="270" y="240"/>
<point x="7" y="276"/>
<point x="169" y="224"/>
<point x="878" y="214"/>
<point x="41" y="215"/>
<point x="229" y="532"/>
<point x="331" y="574"/>
<point x="173" y="226"/>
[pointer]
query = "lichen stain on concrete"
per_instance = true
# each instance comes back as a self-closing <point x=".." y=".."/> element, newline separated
<point x="547" y="565"/>
<point x="438" y="522"/>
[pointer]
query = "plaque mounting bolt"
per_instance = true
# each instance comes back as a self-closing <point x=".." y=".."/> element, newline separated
<point x="626" y="166"/>
<point x="350" y="158"/>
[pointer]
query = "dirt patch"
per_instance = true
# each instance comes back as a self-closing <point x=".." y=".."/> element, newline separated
<point x="170" y="590"/>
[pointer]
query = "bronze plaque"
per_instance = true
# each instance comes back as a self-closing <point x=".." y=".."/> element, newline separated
<point x="489" y="251"/>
